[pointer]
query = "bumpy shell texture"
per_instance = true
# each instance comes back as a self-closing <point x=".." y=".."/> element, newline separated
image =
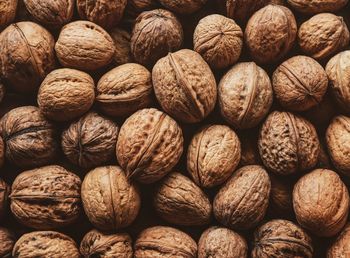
<point x="341" y="246"/>
<point x="121" y="40"/>
<point x="317" y="6"/>
<point x="4" y="193"/>
<point x="183" y="6"/>
<point x="7" y="12"/>
<point x="7" y="241"/>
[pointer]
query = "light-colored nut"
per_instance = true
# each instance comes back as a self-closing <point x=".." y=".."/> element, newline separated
<point x="7" y="241"/>
<point x="7" y="12"/>
<point x="317" y="6"/>
<point x="340" y="248"/>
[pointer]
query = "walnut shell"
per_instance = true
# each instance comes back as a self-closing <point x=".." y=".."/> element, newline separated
<point x="183" y="6"/>
<point x="288" y="143"/>
<point x="245" y="95"/>
<point x="121" y="40"/>
<point x="322" y="114"/>
<point x="323" y="35"/>
<point x="124" y="90"/>
<point x="317" y="6"/>
<point x="340" y="248"/>
<point x="110" y="201"/>
<point x="7" y="241"/>
<point x="66" y="94"/>
<point x="29" y="137"/>
<point x="2" y="91"/>
<point x="2" y="150"/>
<point x="242" y="202"/>
<point x="84" y="45"/>
<point x="4" y="194"/>
<point x="90" y="142"/>
<point x="281" y="197"/>
<point x="7" y="12"/>
<point x="281" y="239"/>
<point x="249" y="149"/>
<point x="149" y="145"/>
<point x="270" y="33"/>
<point x="321" y="202"/>
<point x="213" y="155"/>
<point x="164" y="242"/>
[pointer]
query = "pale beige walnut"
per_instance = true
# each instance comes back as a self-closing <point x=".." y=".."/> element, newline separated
<point x="121" y="40"/>
<point x="317" y="6"/>
<point x="185" y="86"/>
<point x="321" y="202"/>
<point x="7" y="12"/>
<point x="281" y="200"/>
<point x="110" y="200"/>
<point x="281" y="239"/>
<point x="183" y="6"/>
<point x="270" y="33"/>
<point x="7" y="241"/>
<point x="162" y="242"/>
<point x="66" y="94"/>
<point x="245" y="95"/>
<point x="242" y="202"/>
<point x="102" y="245"/>
<point x="84" y="45"/>
<point x="26" y="55"/>
<point x="5" y="190"/>
<point x="288" y="143"/>
<point x="340" y="248"/>
<point x="299" y="83"/>
<point x="213" y="154"/>
<point x="150" y="144"/>
<point x="323" y="35"/>
<point x="124" y="90"/>
<point x="45" y="244"/>
<point x="221" y="243"/>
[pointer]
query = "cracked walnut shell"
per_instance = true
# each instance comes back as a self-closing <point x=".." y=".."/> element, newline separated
<point x="340" y="248"/>
<point x="183" y="6"/>
<point x="7" y="241"/>
<point x="7" y="12"/>
<point x="4" y="194"/>
<point x="317" y="6"/>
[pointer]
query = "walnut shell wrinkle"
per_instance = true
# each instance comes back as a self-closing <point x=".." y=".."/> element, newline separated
<point x="7" y="241"/>
<point x="317" y="6"/>
<point x="5" y="190"/>
<point x="121" y="40"/>
<point x="183" y="6"/>
<point x="340" y="248"/>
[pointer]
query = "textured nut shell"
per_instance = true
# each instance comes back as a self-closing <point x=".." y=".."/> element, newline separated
<point x="124" y="90"/>
<point x="245" y="95"/>
<point x="2" y="91"/>
<point x="66" y="94"/>
<point x="150" y="144"/>
<point x="161" y="242"/>
<point x="121" y="40"/>
<point x="281" y="200"/>
<point x="249" y="149"/>
<point x="7" y="12"/>
<point x="7" y="241"/>
<point x="213" y="155"/>
<point x="321" y="202"/>
<point x="183" y="6"/>
<point x="4" y="193"/>
<point x="341" y="246"/>
<point x="110" y="201"/>
<point x="241" y="204"/>
<point x="317" y="6"/>
<point x="288" y="143"/>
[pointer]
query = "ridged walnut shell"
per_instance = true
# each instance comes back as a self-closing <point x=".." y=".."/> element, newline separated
<point x="321" y="202"/>
<point x="245" y="95"/>
<point x="162" y="242"/>
<point x="110" y="201"/>
<point x="183" y="6"/>
<point x="121" y="40"/>
<point x="288" y="143"/>
<point x="7" y="12"/>
<point x="7" y="241"/>
<point x="213" y="154"/>
<point x="317" y="6"/>
<point x="5" y="190"/>
<point x="242" y="202"/>
<point x="340" y="248"/>
<point x="150" y="144"/>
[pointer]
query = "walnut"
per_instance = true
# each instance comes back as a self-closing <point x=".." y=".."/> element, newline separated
<point x="110" y="201"/>
<point x="288" y="143"/>
<point x="4" y="194"/>
<point x="213" y="155"/>
<point x="90" y="141"/>
<point x="29" y="137"/>
<point x="149" y="145"/>
<point x="317" y="6"/>
<point x="281" y="204"/>
<point x="103" y="245"/>
<point x="7" y="12"/>
<point x="46" y="198"/>
<point x="121" y="40"/>
<point x="165" y="242"/>
<point x="270" y="33"/>
<point x="249" y="149"/>
<point x="66" y="94"/>
<point x="135" y="7"/>
<point x="2" y="91"/>
<point x="155" y="33"/>
<point x="45" y="244"/>
<point x="323" y="35"/>
<point x="84" y="45"/>
<point x="245" y="95"/>
<point x="322" y="114"/>
<point x="321" y="202"/>
<point x="183" y="6"/>
<point x="124" y="90"/>
<point x="7" y="241"/>
<point x="185" y="86"/>
<point x="26" y="55"/>
<point x="281" y="238"/>
<point x="242" y="203"/>
<point x="340" y="248"/>
<point x="2" y="151"/>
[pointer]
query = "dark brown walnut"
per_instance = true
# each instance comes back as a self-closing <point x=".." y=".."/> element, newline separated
<point x="322" y="114"/>
<point x="66" y="94"/>
<point x="270" y="33"/>
<point x="149" y="145"/>
<point x="249" y="149"/>
<point x="299" y="83"/>
<point x="281" y="239"/>
<point x="185" y="86"/>
<point x="29" y="138"/>
<point x="242" y="202"/>
<point x="26" y="55"/>
<point x="317" y="6"/>
<point x="4" y="194"/>
<point x="98" y="244"/>
<point x="45" y="244"/>
<point x="324" y="160"/>
<point x="2" y="151"/>
<point x="321" y="202"/>
<point x="164" y="242"/>
<point x="2" y="91"/>
<point x="288" y="143"/>
<point x="213" y="155"/>
<point x="340" y="248"/>
<point x="46" y="197"/>
<point x="323" y="35"/>
<point x="183" y="6"/>
<point x="124" y="90"/>
<point x="155" y="33"/>
<point x="245" y="95"/>
<point x="84" y="45"/>
<point x="221" y="243"/>
<point x="121" y="40"/>
<point x="7" y="12"/>
<point x="110" y="201"/>
<point x="90" y="141"/>
<point x="7" y="241"/>
<point x="281" y="200"/>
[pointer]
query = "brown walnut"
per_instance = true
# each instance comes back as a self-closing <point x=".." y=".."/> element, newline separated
<point x="317" y="6"/>
<point x="7" y="241"/>
<point x="322" y="114"/>
<point x="2" y="91"/>
<point x="7" y="12"/>
<point x="281" y="200"/>
<point x="183" y="6"/>
<point x="121" y="40"/>
<point x="2" y="151"/>
<point x="249" y="148"/>
<point x="340" y="248"/>
<point x="4" y="194"/>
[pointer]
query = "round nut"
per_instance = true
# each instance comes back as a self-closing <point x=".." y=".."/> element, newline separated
<point x="4" y="194"/>
<point x="340" y="247"/>
<point x="121" y="40"/>
<point x="281" y="200"/>
<point x="7" y="12"/>
<point x="183" y="6"/>
<point x="322" y="114"/>
<point x="7" y="241"/>
<point x="317" y="6"/>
